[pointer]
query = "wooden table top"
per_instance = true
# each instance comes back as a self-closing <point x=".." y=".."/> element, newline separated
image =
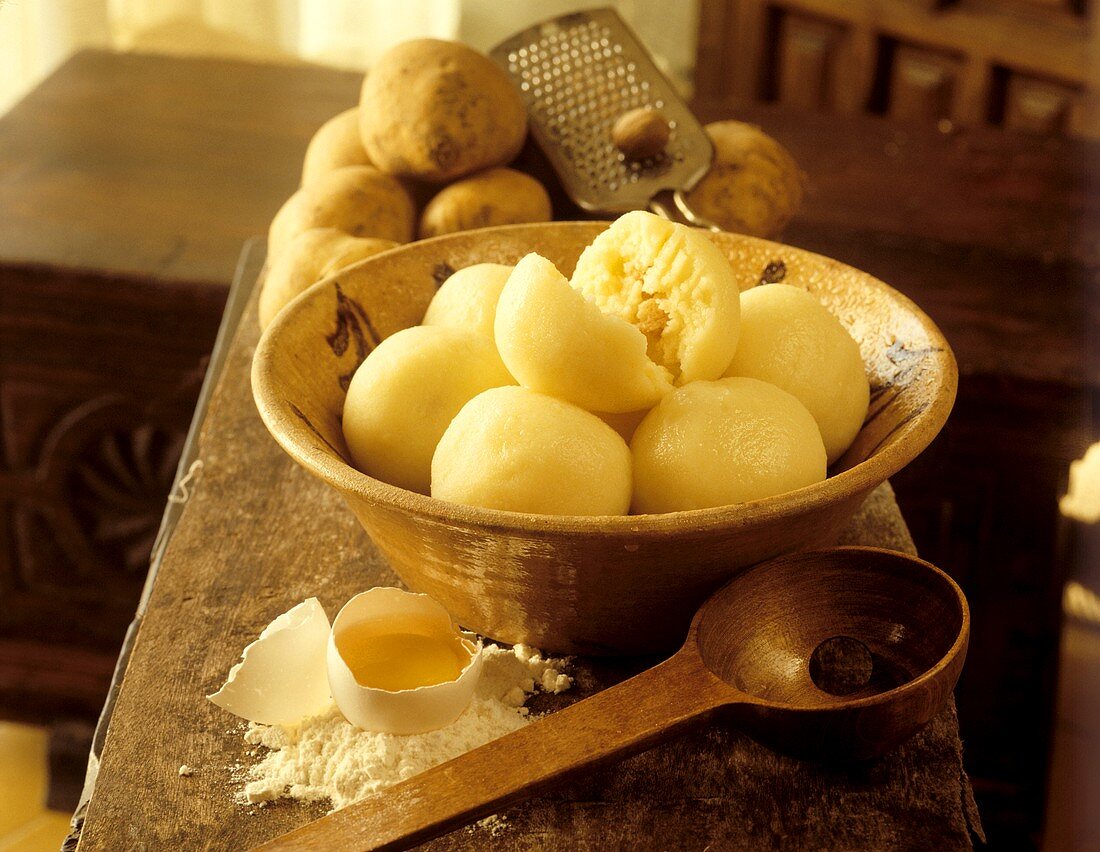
<point x="156" y="167"/>
<point x="259" y="534"/>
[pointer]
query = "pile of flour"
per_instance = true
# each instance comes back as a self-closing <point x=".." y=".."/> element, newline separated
<point x="327" y="758"/>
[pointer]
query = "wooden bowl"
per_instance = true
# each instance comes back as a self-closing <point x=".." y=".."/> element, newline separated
<point x="587" y="585"/>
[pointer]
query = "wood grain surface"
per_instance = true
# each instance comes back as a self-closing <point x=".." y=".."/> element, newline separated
<point x="155" y="166"/>
<point x="259" y="535"/>
<point x="844" y="652"/>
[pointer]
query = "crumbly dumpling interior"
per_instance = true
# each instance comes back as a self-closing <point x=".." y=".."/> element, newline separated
<point x="723" y="442"/>
<point x="557" y="342"/>
<point x="406" y="392"/>
<point x="515" y="449"/>
<point x="468" y="298"/>
<point x="790" y="339"/>
<point x="671" y="283"/>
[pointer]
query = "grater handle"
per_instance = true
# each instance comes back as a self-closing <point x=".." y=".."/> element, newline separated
<point x="673" y="205"/>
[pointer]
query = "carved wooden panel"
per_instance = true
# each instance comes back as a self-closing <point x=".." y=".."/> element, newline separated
<point x="808" y="55"/>
<point x="98" y="379"/>
<point x="1038" y="106"/>
<point x="923" y="84"/>
<point x="1025" y="64"/>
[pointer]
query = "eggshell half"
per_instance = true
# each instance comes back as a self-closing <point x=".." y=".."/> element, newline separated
<point x="407" y="711"/>
<point x="280" y="679"/>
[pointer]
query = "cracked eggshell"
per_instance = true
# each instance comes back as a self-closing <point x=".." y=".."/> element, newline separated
<point x="280" y="679"/>
<point x="406" y="711"/>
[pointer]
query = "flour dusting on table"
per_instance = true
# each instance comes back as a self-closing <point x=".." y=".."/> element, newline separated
<point x="327" y="758"/>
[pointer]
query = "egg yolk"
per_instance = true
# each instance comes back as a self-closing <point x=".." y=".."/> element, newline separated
<point x="395" y="661"/>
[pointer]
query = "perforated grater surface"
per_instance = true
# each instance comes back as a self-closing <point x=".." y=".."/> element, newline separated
<point x="578" y="74"/>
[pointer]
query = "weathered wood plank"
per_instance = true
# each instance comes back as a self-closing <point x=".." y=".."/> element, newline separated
<point x="260" y="535"/>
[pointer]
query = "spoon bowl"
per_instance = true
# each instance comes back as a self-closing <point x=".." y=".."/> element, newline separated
<point x="840" y="652"/>
<point x="833" y="653"/>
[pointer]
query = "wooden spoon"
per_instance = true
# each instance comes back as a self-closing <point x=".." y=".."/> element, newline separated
<point x="835" y="653"/>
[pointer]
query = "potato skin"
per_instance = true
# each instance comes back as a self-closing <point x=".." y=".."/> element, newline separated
<point x="312" y="255"/>
<point x="437" y="110"/>
<point x="754" y="186"/>
<point x="493" y="197"/>
<point x="335" y="144"/>
<point x="358" y="200"/>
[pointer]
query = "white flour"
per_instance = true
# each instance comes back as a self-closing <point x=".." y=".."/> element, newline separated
<point x="327" y="758"/>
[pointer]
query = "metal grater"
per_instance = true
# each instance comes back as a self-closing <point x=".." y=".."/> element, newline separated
<point x="578" y="73"/>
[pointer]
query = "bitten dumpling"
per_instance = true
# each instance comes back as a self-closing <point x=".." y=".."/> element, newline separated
<point x="406" y="392"/>
<point x="788" y="338"/>
<point x="672" y="284"/>
<point x="514" y="449"/>
<point x="723" y="442"/>
<point x="557" y="342"/>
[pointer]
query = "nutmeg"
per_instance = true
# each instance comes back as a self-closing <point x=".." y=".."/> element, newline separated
<point x="641" y="133"/>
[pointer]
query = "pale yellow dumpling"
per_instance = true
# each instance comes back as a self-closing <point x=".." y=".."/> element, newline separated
<point x="557" y="342"/>
<point x="671" y="283"/>
<point x="404" y="395"/>
<point x="788" y="338"/>
<point x="723" y="442"/>
<point x="468" y="298"/>
<point x="514" y="449"/>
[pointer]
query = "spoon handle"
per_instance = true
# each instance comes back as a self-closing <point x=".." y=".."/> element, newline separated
<point x="615" y="723"/>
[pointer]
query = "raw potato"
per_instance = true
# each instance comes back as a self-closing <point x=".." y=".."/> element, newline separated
<point x="673" y="284"/>
<point x="309" y="257"/>
<point x="493" y="197"/>
<point x="754" y="186"/>
<point x="404" y="395"/>
<point x="468" y="299"/>
<point x="358" y="200"/>
<point x="790" y="339"/>
<point x="438" y="110"/>
<point x="514" y="449"/>
<point x="724" y="442"/>
<point x="555" y="341"/>
<point x="335" y="145"/>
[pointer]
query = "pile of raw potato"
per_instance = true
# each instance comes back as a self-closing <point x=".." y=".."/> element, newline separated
<point x="646" y="382"/>
<point x="426" y="153"/>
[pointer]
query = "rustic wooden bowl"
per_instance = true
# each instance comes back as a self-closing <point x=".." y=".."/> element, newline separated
<point x="581" y="584"/>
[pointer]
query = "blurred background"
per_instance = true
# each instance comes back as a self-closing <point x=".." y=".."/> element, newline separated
<point x="951" y="148"/>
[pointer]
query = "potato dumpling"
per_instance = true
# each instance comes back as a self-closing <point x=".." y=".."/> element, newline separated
<point x="673" y="284"/>
<point x="405" y="393"/>
<point x="358" y="200"/>
<point x="790" y="339"/>
<point x="493" y="197"/>
<point x="468" y="299"/>
<point x="723" y="442"/>
<point x="512" y="448"/>
<point x="309" y="257"/>
<point x="555" y="341"/>
<point x="754" y="185"/>
<point x="438" y="110"/>
<point x="335" y="145"/>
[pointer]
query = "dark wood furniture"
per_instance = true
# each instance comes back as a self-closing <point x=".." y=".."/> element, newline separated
<point x="1029" y="65"/>
<point x="127" y="187"/>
